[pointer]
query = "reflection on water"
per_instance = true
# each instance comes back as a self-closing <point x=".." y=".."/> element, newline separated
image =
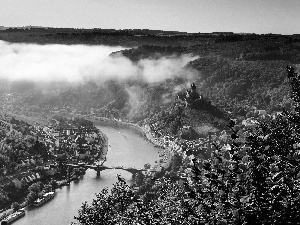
<point x="126" y="148"/>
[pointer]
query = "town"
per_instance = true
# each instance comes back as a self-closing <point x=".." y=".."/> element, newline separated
<point x="47" y="154"/>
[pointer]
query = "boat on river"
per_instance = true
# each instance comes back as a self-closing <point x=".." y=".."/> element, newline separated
<point x="14" y="216"/>
<point x="46" y="197"/>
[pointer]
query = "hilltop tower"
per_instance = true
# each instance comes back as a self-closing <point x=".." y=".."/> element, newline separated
<point x="192" y="94"/>
<point x="193" y="86"/>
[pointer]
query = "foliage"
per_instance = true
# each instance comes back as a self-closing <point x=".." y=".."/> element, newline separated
<point x="254" y="181"/>
<point x="36" y="188"/>
<point x="53" y="184"/>
<point x="47" y="188"/>
<point x="34" y="191"/>
<point x="31" y="197"/>
<point x="147" y="166"/>
<point x="164" y="208"/>
<point x="139" y="178"/>
<point x="3" y="197"/>
<point x="151" y="52"/>
<point x="15" y="206"/>
<point x="259" y="184"/>
<point x="238" y="85"/>
<point x="176" y="162"/>
<point x="107" y="208"/>
<point x="234" y="71"/>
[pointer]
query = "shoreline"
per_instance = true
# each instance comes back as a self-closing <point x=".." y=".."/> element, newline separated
<point x="115" y="123"/>
<point x="158" y="143"/>
<point x="142" y="130"/>
<point x="60" y="182"/>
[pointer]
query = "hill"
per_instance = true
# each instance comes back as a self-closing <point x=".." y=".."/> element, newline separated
<point x="233" y="72"/>
<point x="190" y="117"/>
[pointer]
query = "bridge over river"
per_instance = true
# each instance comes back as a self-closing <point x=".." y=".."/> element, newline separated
<point x="98" y="167"/>
<point x="130" y="152"/>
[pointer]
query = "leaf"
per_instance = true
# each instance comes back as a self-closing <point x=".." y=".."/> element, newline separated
<point x="207" y="175"/>
<point x="245" y="159"/>
<point x="221" y="192"/>
<point x="275" y="175"/>
<point x="207" y="166"/>
<point x="227" y="155"/>
<point x="214" y="176"/>
<point x="266" y="137"/>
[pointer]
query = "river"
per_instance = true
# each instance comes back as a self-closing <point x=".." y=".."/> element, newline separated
<point x="126" y="148"/>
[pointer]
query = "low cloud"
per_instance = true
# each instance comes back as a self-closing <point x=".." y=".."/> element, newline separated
<point x="79" y="63"/>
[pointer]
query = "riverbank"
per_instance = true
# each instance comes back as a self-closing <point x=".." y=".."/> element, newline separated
<point x="99" y="145"/>
<point x="167" y="148"/>
<point x="132" y="151"/>
<point x="103" y="121"/>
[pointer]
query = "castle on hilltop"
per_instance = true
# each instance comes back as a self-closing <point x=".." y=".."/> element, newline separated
<point x="190" y="96"/>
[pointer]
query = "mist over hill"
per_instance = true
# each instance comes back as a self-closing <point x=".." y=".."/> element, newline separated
<point x="90" y="72"/>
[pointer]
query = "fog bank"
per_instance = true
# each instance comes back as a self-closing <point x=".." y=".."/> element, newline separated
<point x="79" y="63"/>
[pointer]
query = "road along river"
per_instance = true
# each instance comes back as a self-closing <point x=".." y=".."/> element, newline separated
<point x="126" y="148"/>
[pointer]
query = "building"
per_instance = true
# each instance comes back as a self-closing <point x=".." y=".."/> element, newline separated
<point x="50" y="170"/>
<point x="249" y="122"/>
<point x="190" y="96"/>
<point x="24" y="179"/>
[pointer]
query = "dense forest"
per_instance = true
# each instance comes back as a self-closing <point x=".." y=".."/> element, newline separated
<point x="254" y="181"/>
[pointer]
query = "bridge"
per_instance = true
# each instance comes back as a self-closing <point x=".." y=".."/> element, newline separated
<point x="132" y="170"/>
<point x="100" y="167"/>
<point x="97" y="166"/>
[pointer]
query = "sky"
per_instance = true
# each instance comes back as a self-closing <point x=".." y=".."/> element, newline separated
<point x="205" y="16"/>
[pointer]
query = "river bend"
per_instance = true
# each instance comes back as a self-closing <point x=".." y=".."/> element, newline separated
<point x="126" y="148"/>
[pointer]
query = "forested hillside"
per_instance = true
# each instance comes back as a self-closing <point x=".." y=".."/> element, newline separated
<point x="251" y="181"/>
<point x="234" y="72"/>
<point x="238" y="85"/>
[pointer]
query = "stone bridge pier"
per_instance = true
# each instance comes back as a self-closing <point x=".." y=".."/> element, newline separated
<point x="98" y="169"/>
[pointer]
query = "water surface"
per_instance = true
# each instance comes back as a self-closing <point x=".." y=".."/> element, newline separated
<point x="126" y="148"/>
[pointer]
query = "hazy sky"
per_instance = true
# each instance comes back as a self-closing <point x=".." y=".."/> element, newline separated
<point x="254" y="16"/>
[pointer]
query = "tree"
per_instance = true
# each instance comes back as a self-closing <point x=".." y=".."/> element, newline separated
<point x="107" y="208"/>
<point x="256" y="184"/>
<point x="176" y="162"/>
<point x="31" y="197"/>
<point x="166" y="207"/>
<point x="139" y="179"/>
<point x="34" y="188"/>
<point x="3" y="197"/>
<point x="48" y="188"/>
<point x="53" y="183"/>
<point x="147" y="166"/>
<point x="15" y="206"/>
